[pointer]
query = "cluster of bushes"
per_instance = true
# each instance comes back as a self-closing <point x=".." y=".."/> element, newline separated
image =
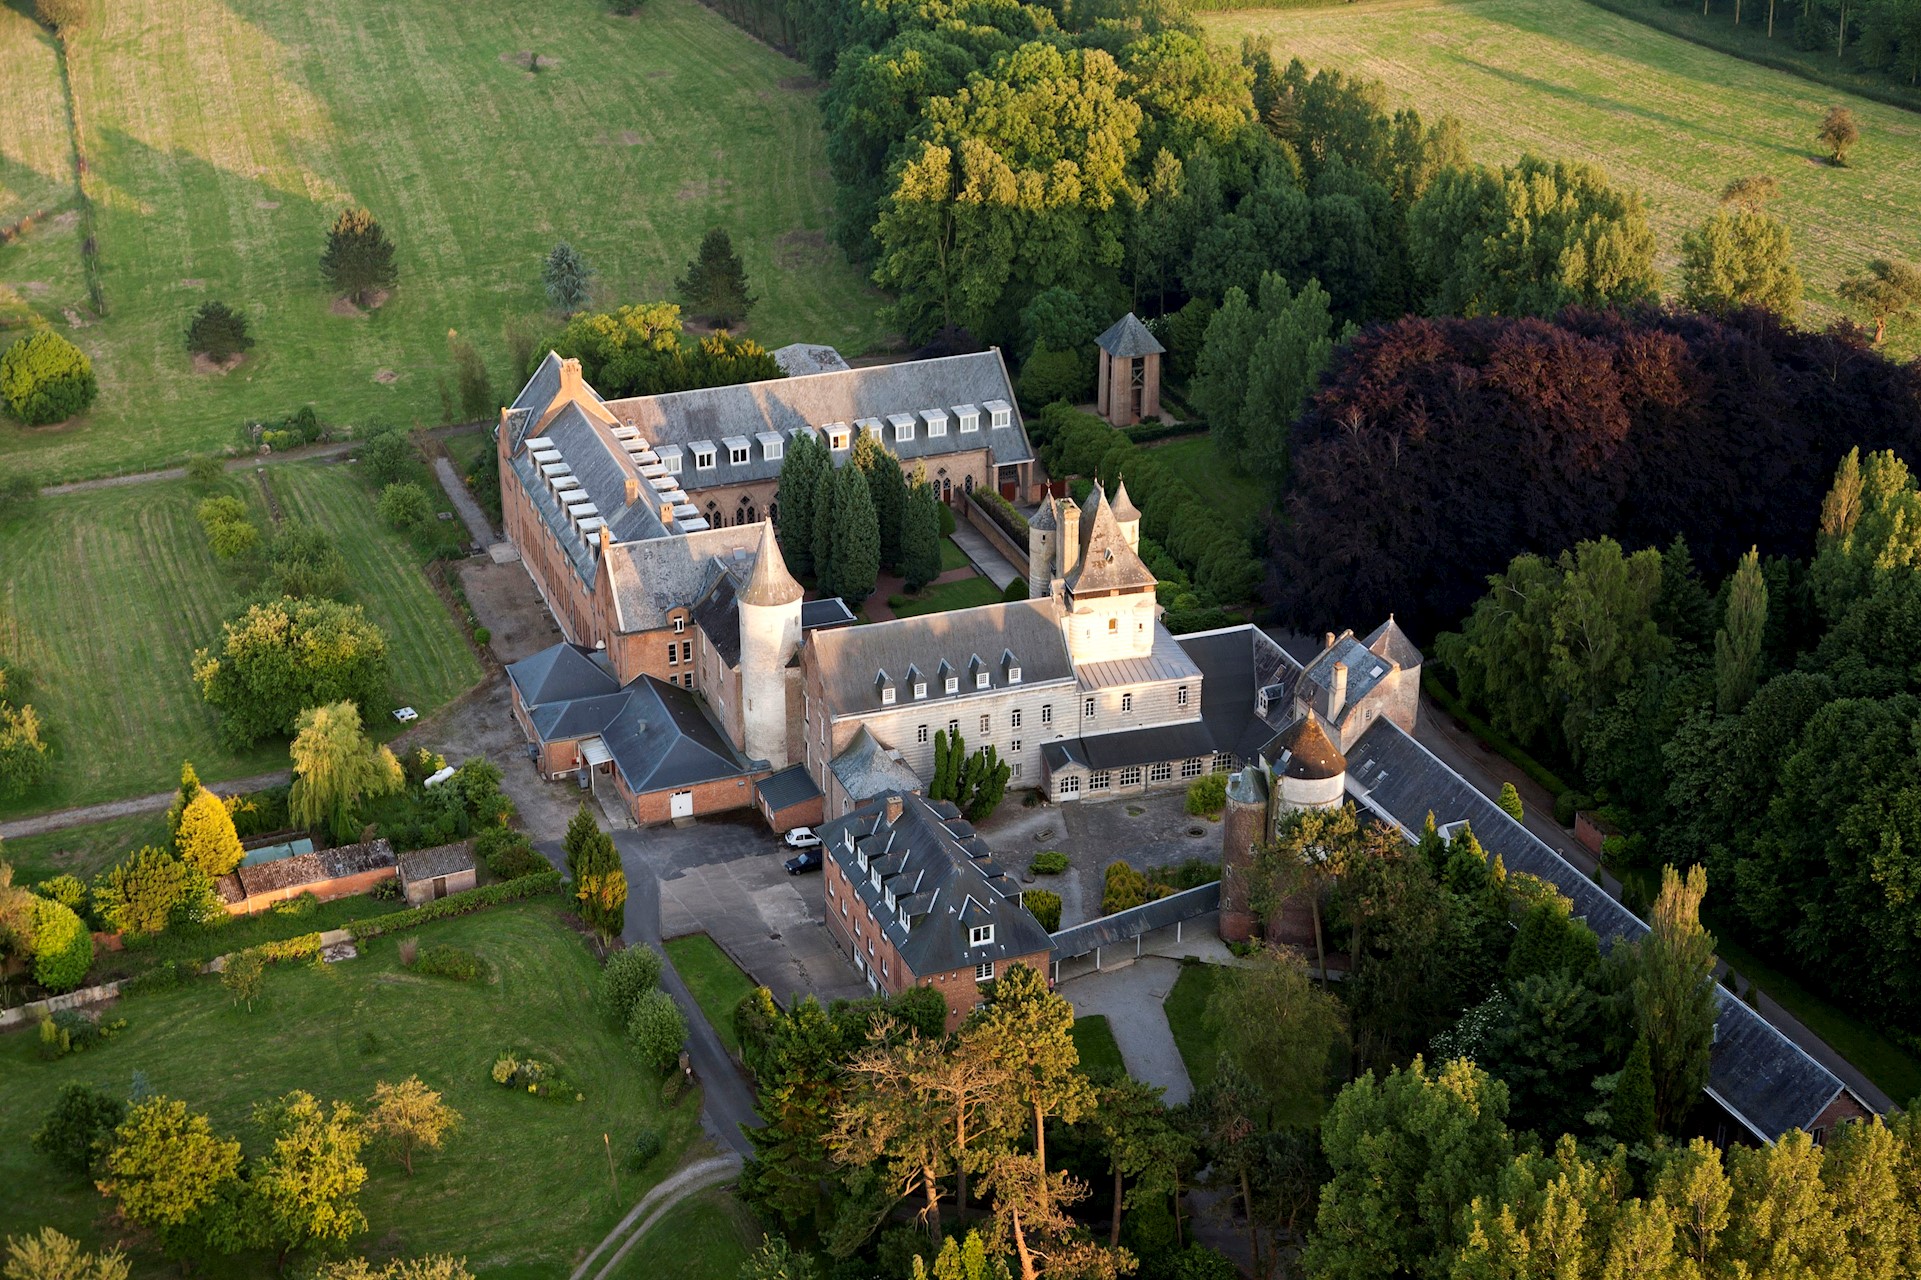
<point x="71" y="1031"/>
<point x="404" y="505"/>
<point x="535" y="1076"/>
<point x="1048" y="862"/>
<point x="975" y="784"/>
<point x="631" y="997"/>
<point x="302" y="426"/>
<point x="509" y="854"/>
<point x="470" y="803"/>
<point x="640" y="350"/>
<point x="231" y="532"/>
<point x="759" y="1021"/>
<point x="26" y="758"/>
<point x="1125" y="888"/>
<point x="1207" y="795"/>
<point x="456" y="904"/>
<point x="1197" y="545"/>
<point x="445" y="961"/>
<point x="44" y="379"/>
<point x="1045" y="906"/>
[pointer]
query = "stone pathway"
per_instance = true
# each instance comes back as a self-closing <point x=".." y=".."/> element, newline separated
<point x="990" y="562"/>
<point x="1131" y="999"/>
<point x="470" y="512"/>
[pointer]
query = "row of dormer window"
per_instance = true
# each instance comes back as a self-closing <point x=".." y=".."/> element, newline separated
<point x="950" y="680"/>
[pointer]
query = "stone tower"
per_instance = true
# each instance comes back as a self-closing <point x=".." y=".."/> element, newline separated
<point x="1129" y="378"/>
<point x="1042" y="531"/>
<point x="1307" y="771"/>
<point x="1111" y="608"/>
<point x="769" y="606"/>
<point x="1243" y="827"/>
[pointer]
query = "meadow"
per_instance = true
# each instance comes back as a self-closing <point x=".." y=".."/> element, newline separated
<point x="520" y="1188"/>
<point x="222" y="138"/>
<point x="1674" y="120"/>
<point x="107" y="593"/>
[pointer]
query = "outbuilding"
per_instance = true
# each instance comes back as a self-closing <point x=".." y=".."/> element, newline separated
<point x="426" y="874"/>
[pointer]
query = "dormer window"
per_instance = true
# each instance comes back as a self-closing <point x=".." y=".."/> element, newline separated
<point x="772" y="447"/>
<point x="1013" y="675"/>
<point x="737" y="455"/>
<point x="903" y="424"/>
<point x="839" y="436"/>
<point x="953" y="684"/>
<point x="936" y="420"/>
<point x="892" y="905"/>
<point x="862" y="857"/>
<point x="887" y="696"/>
<point x="920" y="690"/>
<point x="704" y="456"/>
<point x="671" y="461"/>
<point x="870" y="426"/>
<point x="981" y="935"/>
<point x="980" y="680"/>
<point x="1001" y="414"/>
<point x="680" y="624"/>
<point x="968" y="417"/>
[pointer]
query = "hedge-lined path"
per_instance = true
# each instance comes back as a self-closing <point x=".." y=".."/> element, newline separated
<point x="302" y="454"/>
<point x="60" y="819"/>
<point x="990" y="562"/>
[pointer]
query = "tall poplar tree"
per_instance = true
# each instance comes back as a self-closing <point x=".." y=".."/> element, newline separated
<point x="856" y="537"/>
<point x="1674" y="1003"/>
<point x="887" y="489"/>
<point x="1737" y="645"/>
<point x="800" y="472"/>
<point x="920" y="534"/>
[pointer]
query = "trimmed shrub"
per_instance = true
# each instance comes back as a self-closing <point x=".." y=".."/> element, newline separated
<point x="449" y="962"/>
<point x="509" y="855"/>
<point x="646" y="1146"/>
<point x="44" y="378"/>
<point x="1045" y="905"/>
<point x="62" y="947"/>
<point x="1049" y="862"/>
<point x="656" y="1030"/>
<point x="1207" y="795"/>
<point x="217" y="331"/>
<point x="1124" y="889"/>
<point x="629" y="975"/>
<point x="456" y="904"/>
<point x="404" y="505"/>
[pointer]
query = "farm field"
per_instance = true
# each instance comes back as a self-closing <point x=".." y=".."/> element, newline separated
<point x="222" y="139"/>
<point x="1673" y="119"/>
<point x="107" y="593"/>
<point x="520" y="1188"/>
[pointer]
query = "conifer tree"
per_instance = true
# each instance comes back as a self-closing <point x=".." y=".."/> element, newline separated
<point x="1031" y="1028"/>
<point x="593" y="864"/>
<point x="1631" y="1112"/>
<point x="888" y="491"/>
<point x="920" y="534"/>
<point x="800" y="472"/>
<point x="217" y="331"/>
<point x="206" y="838"/>
<point x="189" y="788"/>
<point x="358" y="258"/>
<point x="715" y="285"/>
<point x="856" y="536"/>
<point x="826" y="518"/>
<point x="1737" y="645"/>
<point x="566" y="277"/>
<point x="1510" y="802"/>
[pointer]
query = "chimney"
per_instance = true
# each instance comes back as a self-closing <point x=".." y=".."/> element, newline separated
<point x="633" y="490"/>
<point x="1337" y="696"/>
<point x="1328" y="642"/>
<point x="570" y="381"/>
<point x="893" y="808"/>
<point x="606" y="539"/>
<point x="1070" y="536"/>
<point x="667" y="513"/>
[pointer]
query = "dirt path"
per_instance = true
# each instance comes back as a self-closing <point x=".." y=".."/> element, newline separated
<point x="656" y="1204"/>
<point x="60" y="819"/>
<point x="180" y="473"/>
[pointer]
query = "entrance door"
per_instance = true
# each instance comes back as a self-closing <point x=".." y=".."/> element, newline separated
<point x="440" y="886"/>
<point x="681" y="805"/>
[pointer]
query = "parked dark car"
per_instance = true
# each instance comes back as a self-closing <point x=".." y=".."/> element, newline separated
<point x="808" y="861"/>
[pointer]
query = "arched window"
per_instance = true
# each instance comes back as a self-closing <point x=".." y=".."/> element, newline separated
<point x="773" y="513"/>
<point x="744" y="513"/>
<point x="713" y="514"/>
<point x="968" y="484"/>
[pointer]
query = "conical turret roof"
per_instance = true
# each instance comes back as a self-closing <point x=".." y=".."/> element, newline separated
<point x="1044" y="519"/>
<point x="770" y="583"/>
<point x="1310" y="753"/>
<point x="1124" y="508"/>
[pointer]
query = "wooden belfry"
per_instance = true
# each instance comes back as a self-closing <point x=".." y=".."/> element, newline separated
<point x="1130" y="372"/>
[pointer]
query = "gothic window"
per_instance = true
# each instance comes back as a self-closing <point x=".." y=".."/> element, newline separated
<point x="968" y="484"/>
<point x="773" y="512"/>
<point x="713" y="514"/>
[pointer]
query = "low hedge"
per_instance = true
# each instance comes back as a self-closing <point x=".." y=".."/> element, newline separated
<point x="458" y="904"/>
<point x="1148" y="432"/>
<point x="1002" y="513"/>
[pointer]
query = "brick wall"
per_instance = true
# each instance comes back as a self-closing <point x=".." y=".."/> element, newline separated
<point x="709" y="797"/>
<point x="325" y="890"/>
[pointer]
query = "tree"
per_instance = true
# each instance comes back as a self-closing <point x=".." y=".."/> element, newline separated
<point x="282" y="657"/>
<point x="566" y="277"/>
<point x="80" y="1128"/>
<point x="52" y="1256"/>
<point x="206" y="837"/>
<point x="1143" y="1144"/>
<point x="855" y="558"/>
<point x="630" y="973"/>
<point x="358" y="258"/>
<point x="309" y="1181"/>
<point x="1220" y="372"/>
<point x="1031" y="1208"/>
<point x="1888" y="292"/>
<point x="1740" y="259"/>
<point x="827" y="516"/>
<point x="61" y="16"/>
<point x="798" y="1086"/>
<point x="166" y="1164"/>
<point x="244" y="977"/>
<point x="1510" y="802"/>
<point x="152" y="889"/>
<point x="1279" y="1028"/>
<point x="1751" y="192"/>
<point x="387" y="455"/>
<point x="404" y="505"/>
<point x="593" y="865"/>
<point x="801" y="469"/>
<point x="1032" y="1031"/>
<point x="890" y="1121"/>
<point x="406" y="1116"/>
<point x="1546" y="1047"/>
<point x="656" y="1030"/>
<point x="715" y="285"/>
<point x="26" y="760"/>
<point x="1283" y="367"/>
<point x="1737" y="645"/>
<point x="1674" y="1001"/>
<point x="189" y="788"/>
<point x="473" y="388"/>
<point x="887" y="491"/>
<point x="218" y="332"/>
<point x="1838" y="134"/>
<point x="45" y="378"/>
<point x="778" y="1260"/>
<point x="1631" y="1114"/>
<point x="62" y="947"/>
<point x="920" y="534"/>
<point x="335" y="767"/>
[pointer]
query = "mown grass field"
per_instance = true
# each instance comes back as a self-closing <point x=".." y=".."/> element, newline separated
<point x="962" y="593"/>
<point x="83" y="851"/>
<point x="1094" y="1041"/>
<point x="222" y="138"/>
<point x="1670" y="118"/>
<point x="36" y="169"/>
<point x="520" y="1189"/>
<point x="707" y="1237"/>
<point x="104" y="596"/>
<point x="714" y="980"/>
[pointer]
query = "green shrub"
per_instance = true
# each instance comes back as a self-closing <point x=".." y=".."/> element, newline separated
<point x="44" y="378"/>
<point x="1049" y="862"/>
<point x="404" y="505"/>
<point x="71" y="1031"/>
<point x="387" y="456"/>
<point x="217" y="331"/>
<point x="532" y="1075"/>
<point x="1124" y="889"/>
<point x="80" y="1128"/>
<point x="509" y="855"/>
<point x="302" y="905"/>
<point x="163" y="976"/>
<point x="449" y="962"/>
<point x="1207" y="795"/>
<point x="1045" y="905"/>
<point x="62" y="947"/>
<point x="482" y="636"/>
<point x="67" y="890"/>
<point x="947" y="524"/>
<point x="1015" y="590"/>
<point x="646" y="1146"/>
<point x="630" y="974"/>
<point x="1191" y="874"/>
<point x="921" y="1009"/>
<point x="456" y="904"/>
<point x="656" y="1030"/>
<point x="1052" y="375"/>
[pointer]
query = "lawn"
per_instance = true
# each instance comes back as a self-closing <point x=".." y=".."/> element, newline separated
<point x="706" y="1237"/>
<point x="521" y="1188"/>
<point x="1219" y="482"/>
<point x="951" y="556"/>
<point x="36" y="168"/>
<point x="1186" y="1008"/>
<point x="1672" y="119"/>
<point x="106" y="594"/>
<point x="82" y="851"/>
<point x="715" y="981"/>
<point x="222" y="138"/>
<point x="962" y="593"/>
<point x="1094" y="1040"/>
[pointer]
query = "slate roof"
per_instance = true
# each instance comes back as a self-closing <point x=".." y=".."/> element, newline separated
<point x="867" y="767"/>
<point x="850" y="659"/>
<point x="1365" y="669"/>
<point x="1389" y="641"/>
<point x="652" y="579"/>
<point x="937" y="882"/>
<point x="441" y="860"/>
<point x="718" y="617"/>
<point x="1182" y="741"/>
<point x="1235" y="663"/>
<point x="561" y="673"/>
<point x="1107" y="562"/>
<point x="799" y="358"/>
<point x="1044" y="518"/>
<point x="1127" y="336"/>
<point x="769" y="583"/>
<point x="789" y="787"/>
<point x="1135" y="921"/>
<point x="1167" y="660"/>
<point x="1124" y="508"/>
<point x="314" y="868"/>
<point x="1762" y="1078"/>
<point x="831" y="612"/>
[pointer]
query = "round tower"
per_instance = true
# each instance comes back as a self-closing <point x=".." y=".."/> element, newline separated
<point x="1243" y="828"/>
<point x="1042" y="530"/>
<point x="1127" y="515"/>
<point x="769" y="607"/>
<point x="1310" y="771"/>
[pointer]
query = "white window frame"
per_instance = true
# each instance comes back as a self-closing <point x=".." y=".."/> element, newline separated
<point x="672" y="462"/>
<point x="1127" y="702"/>
<point x="1013" y="675"/>
<point x="1131" y="776"/>
<point x="1003" y="417"/>
<point x="887" y="696"/>
<point x="936" y="422"/>
<point x="838" y="439"/>
<point x="969" y="421"/>
<point x="920" y="733"/>
<point x="1014" y="718"/>
<point x="981" y="680"/>
<point x="773" y="450"/>
<point x="1014" y="749"/>
<point x="704" y="458"/>
<point x="1069" y="785"/>
<point x="739" y="457"/>
<point x="1047" y="713"/>
<point x="980" y="935"/>
<point x="984" y="971"/>
<point x="680" y="625"/>
<point x="986" y="725"/>
<point x="1091" y="707"/>
<point x="1100" y="780"/>
<point x="953" y="684"/>
<point x="1192" y="768"/>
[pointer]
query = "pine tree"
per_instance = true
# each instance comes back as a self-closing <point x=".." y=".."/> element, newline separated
<point x="800" y="471"/>
<point x="217" y="331"/>
<point x="887" y="489"/>
<point x="715" y="285"/>
<point x="856" y="554"/>
<point x="566" y="277"/>
<point x="1510" y="802"/>
<point x="206" y="838"/>
<point x="1631" y="1111"/>
<point x="826" y="520"/>
<point x="920" y="535"/>
<point x="593" y="864"/>
<point x="358" y="258"/>
<point x="1737" y="645"/>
